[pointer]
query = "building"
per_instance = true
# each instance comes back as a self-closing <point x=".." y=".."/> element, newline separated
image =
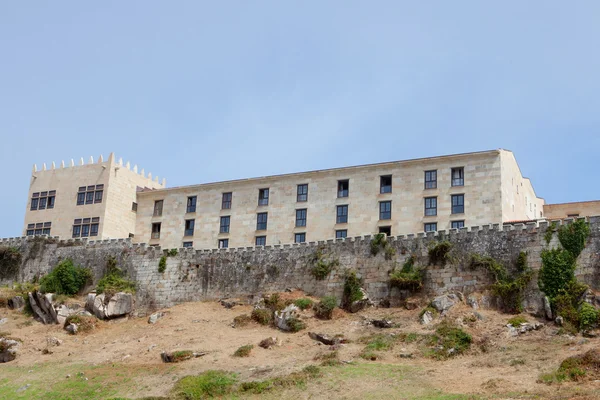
<point x="572" y="210"/>
<point x="94" y="200"/>
<point x="111" y="200"/>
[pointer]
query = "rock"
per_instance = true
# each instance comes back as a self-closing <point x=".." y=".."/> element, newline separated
<point x="472" y="302"/>
<point x="16" y="303"/>
<point x="444" y="303"/>
<point x="559" y="321"/>
<point x="325" y="339"/>
<point x="155" y="317"/>
<point x="523" y="328"/>
<point x="547" y="308"/>
<point x="426" y="318"/>
<point x="230" y="303"/>
<point x="382" y="323"/>
<point x="8" y="349"/>
<point x="152" y="346"/>
<point x="62" y="313"/>
<point x="23" y="388"/>
<point x="72" y="328"/>
<point x="589" y="334"/>
<point x="281" y="317"/>
<point x="178" y="356"/>
<point x="360" y="304"/>
<point x="461" y="296"/>
<point x="42" y="307"/>
<point x="268" y="342"/>
<point x="52" y="341"/>
<point x="3" y="321"/>
<point x="411" y="305"/>
<point x="405" y="355"/>
<point x="103" y="307"/>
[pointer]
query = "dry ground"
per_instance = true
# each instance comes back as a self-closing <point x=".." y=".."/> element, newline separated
<point x="122" y="358"/>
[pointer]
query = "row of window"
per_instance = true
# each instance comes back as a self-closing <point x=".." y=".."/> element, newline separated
<point x="457" y="201"/>
<point x="90" y="194"/>
<point x="40" y="228"/>
<point x="43" y="200"/>
<point x="85" y="227"/>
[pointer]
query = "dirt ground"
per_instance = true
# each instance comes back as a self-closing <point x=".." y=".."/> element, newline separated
<point x="122" y="357"/>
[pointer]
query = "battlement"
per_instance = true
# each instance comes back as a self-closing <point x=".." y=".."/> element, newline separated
<point x="100" y="161"/>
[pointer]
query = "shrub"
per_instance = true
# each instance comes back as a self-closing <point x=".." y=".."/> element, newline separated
<point x="439" y="252"/>
<point x="558" y="270"/>
<point x="295" y="324"/>
<point x="322" y="266"/>
<point x="66" y="278"/>
<point x="263" y="316"/>
<point x="243" y="351"/>
<point x="303" y="303"/>
<point x="329" y="359"/>
<point x="172" y="253"/>
<point x="208" y="384"/>
<point x="181" y="355"/>
<point x="352" y="288"/>
<point x="449" y="340"/>
<point x="408" y="277"/>
<point x="324" y="309"/>
<point x="162" y="264"/>
<point x="517" y="321"/>
<point x="114" y="280"/>
<point x="241" y="320"/>
<point x="377" y="243"/>
<point x="572" y="237"/>
<point x="85" y="323"/>
<point x="274" y="302"/>
<point x="588" y="316"/>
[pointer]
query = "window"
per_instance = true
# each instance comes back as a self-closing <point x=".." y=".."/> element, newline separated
<point x="223" y="243"/>
<point x="261" y="221"/>
<point x="341" y="233"/>
<point x="226" y="201"/>
<point x="431" y="179"/>
<point x="39" y="229"/>
<point x="385" y="210"/>
<point x="431" y="227"/>
<point x="80" y="198"/>
<point x="572" y="215"/>
<point x="89" y="198"/>
<point x="156" y="230"/>
<point x="301" y="217"/>
<point x="386" y="229"/>
<point x="430" y="206"/>
<point x="263" y="197"/>
<point x="188" y="244"/>
<point x="42" y="200"/>
<point x="224" y="227"/>
<point x="84" y="227"/>
<point x="302" y="192"/>
<point x="189" y="227"/>
<point x="50" y="202"/>
<point x="158" y="207"/>
<point x="457" y="224"/>
<point x="134" y="206"/>
<point x="385" y="184"/>
<point x="300" y="238"/>
<point x="342" y="214"/>
<point x="458" y="176"/>
<point x="260" y="241"/>
<point x="458" y="203"/>
<point x="34" y="204"/>
<point x="191" y="204"/>
<point x="343" y="188"/>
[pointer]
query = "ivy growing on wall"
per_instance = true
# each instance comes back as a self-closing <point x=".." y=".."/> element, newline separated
<point x="10" y="260"/>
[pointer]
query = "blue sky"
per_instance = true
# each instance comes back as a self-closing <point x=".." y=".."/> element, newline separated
<point x="206" y="91"/>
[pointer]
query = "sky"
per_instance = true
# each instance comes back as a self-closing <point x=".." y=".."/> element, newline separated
<point x="204" y="91"/>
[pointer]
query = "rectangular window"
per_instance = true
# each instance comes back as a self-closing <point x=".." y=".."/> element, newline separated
<point x="261" y="221"/>
<point x="430" y="206"/>
<point x="85" y="230"/>
<point x="431" y="227"/>
<point x="457" y="224"/>
<point x="224" y="228"/>
<point x="342" y="214"/>
<point x="42" y="204"/>
<point x="458" y="203"/>
<point x="158" y="208"/>
<point x="263" y="197"/>
<point x="343" y="188"/>
<point x="89" y="198"/>
<point x="188" y="244"/>
<point x="80" y="198"/>
<point x="30" y="232"/>
<point x="223" y="243"/>
<point x="189" y="227"/>
<point x="191" y="204"/>
<point x="98" y="196"/>
<point x="302" y="193"/>
<point x="156" y="231"/>
<point x="386" y="229"/>
<point x="94" y="230"/>
<point x="34" y="204"/>
<point x="46" y="231"/>
<point x="458" y="176"/>
<point x="134" y="206"/>
<point x="50" y="202"/>
<point x="300" y="238"/>
<point x="431" y="179"/>
<point x="385" y="184"/>
<point x="260" y="241"/>
<point x="385" y="210"/>
<point x="226" y="201"/>
<point x="341" y="233"/>
<point x="38" y="232"/>
<point x="301" y="217"/>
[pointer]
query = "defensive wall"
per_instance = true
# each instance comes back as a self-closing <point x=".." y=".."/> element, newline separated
<point x="193" y="275"/>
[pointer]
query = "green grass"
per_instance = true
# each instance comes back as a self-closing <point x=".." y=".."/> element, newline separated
<point x="208" y="384"/>
<point x="303" y="303"/>
<point x="517" y="321"/>
<point x="244" y="351"/>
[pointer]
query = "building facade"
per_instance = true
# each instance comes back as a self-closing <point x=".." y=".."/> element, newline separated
<point x="94" y="200"/>
<point x="572" y="210"/>
<point x="108" y="199"/>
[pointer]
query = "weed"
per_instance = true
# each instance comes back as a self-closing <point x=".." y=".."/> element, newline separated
<point x="377" y="243"/>
<point x="329" y="359"/>
<point x="517" y="321"/>
<point x="572" y="237"/>
<point x="114" y="280"/>
<point x="550" y="232"/>
<point x="181" y="355"/>
<point x="263" y="316"/>
<point x="10" y="260"/>
<point x="241" y="321"/>
<point x="449" y="340"/>
<point x="352" y="289"/>
<point x="162" y="264"/>
<point x="408" y="277"/>
<point x="66" y="278"/>
<point x="172" y="253"/>
<point x="295" y="324"/>
<point x="244" y="351"/>
<point x="208" y="384"/>
<point x="439" y="252"/>
<point x="322" y="265"/>
<point x="303" y="303"/>
<point x="324" y="309"/>
<point x="85" y="323"/>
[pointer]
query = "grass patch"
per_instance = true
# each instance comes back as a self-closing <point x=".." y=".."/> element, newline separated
<point x="517" y="321"/>
<point x="329" y="359"/>
<point x="581" y="367"/>
<point x="448" y="341"/>
<point x="324" y="309"/>
<point x="114" y="280"/>
<point x="181" y="355"/>
<point x="208" y="384"/>
<point x="304" y="303"/>
<point x="263" y="316"/>
<point x="85" y="323"/>
<point x="243" y="351"/>
<point x="295" y="324"/>
<point x="408" y="277"/>
<point x="241" y="320"/>
<point x="322" y="265"/>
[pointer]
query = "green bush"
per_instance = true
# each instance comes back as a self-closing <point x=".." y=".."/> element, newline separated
<point x="208" y="384"/>
<point x="263" y="316"/>
<point x="244" y="351"/>
<point x="352" y="288"/>
<point x="114" y="280"/>
<point x="295" y="324"/>
<point x="572" y="237"/>
<point x="377" y="243"/>
<point x="303" y="303"/>
<point x="324" y="309"/>
<point x="162" y="264"/>
<point x="85" y="323"/>
<point x="322" y="266"/>
<point x="558" y="270"/>
<point x="66" y="278"/>
<point x="172" y="253"/>
<point x="517" y="321"/>
<point x="588" y="316"/>
<point x="439" y="252"/>
<point x="274" y="302"/>
<point x="408" y="277"/>
<point x="448" y="337"/>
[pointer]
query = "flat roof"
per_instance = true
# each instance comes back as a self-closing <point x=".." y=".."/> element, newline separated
<point x="322" y="170"/>
<point x="572" y="202"/>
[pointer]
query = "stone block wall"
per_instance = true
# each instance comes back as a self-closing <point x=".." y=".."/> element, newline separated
<point x="210" y="274"/>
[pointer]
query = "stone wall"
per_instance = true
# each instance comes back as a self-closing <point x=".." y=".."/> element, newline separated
<point x="210" y="274"/>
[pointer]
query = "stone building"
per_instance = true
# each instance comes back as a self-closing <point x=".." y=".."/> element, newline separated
<point x="94" y="200"/>
<point x="111" y="200"/>
<point x="572" y="210"/>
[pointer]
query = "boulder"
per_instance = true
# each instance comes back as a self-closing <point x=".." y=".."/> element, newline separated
<point x="411" y="305"/>
<point x="16" y="303"/>
<point x="547" y="308"/>
<point x="72" y="328"/>
<point x="444" y="303"/>
<point x="104" y="307"/>
<point x="325" y="339"/>
<point x="155" y="317"/>
<point x="52" y="341"/>
<point x="282" y="317"/>
<point x="268" y="342"/>
<point x="472" y="302"/>
<point x="8" y="349"/>
<point x="426" y="318"/>
<point x="559" y="321"/>
<point x="360" y="304"/>
<point x="382" y="323"/>
<point x="230" y="303"/>
<point x="43" y="309"/>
